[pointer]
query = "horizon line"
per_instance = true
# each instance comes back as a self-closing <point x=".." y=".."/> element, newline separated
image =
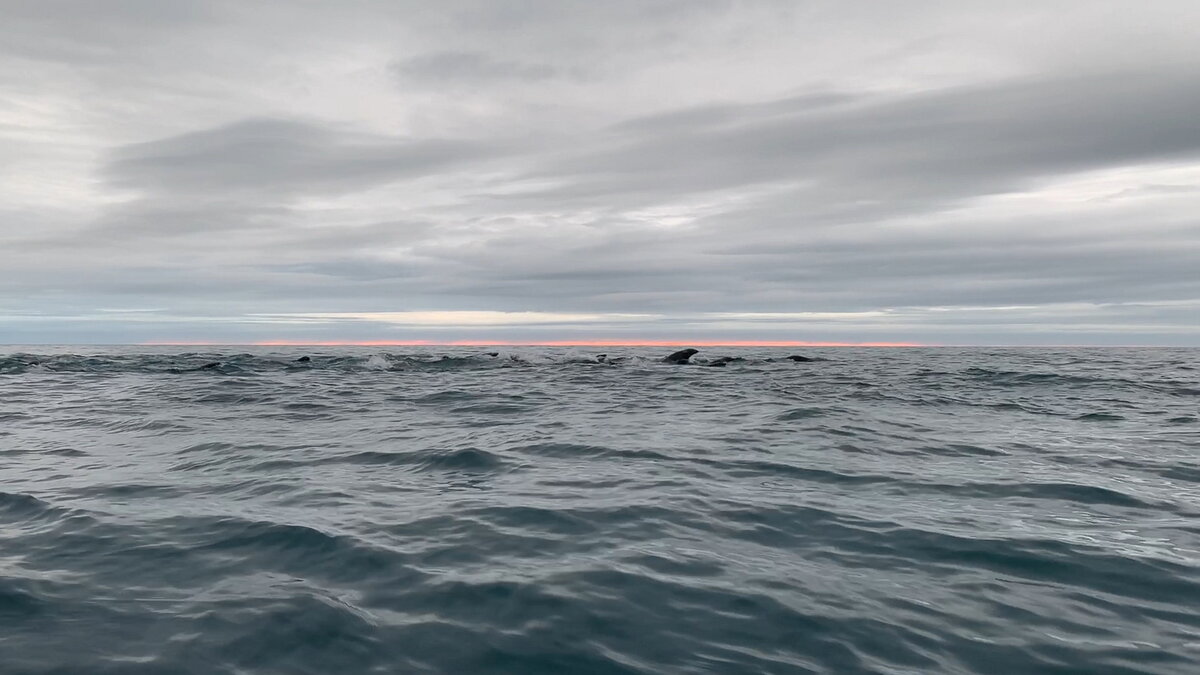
<point x="538" y="343"/>
<point x="596" y="343"/>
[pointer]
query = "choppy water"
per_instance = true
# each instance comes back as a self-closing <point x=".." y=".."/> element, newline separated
<point x="880" y="511"/>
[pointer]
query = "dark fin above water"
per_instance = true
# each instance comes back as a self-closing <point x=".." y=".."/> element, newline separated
<point x="681" y="357"/>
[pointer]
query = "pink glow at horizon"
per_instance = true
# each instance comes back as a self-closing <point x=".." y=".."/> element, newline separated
<point x="546" y="343"/>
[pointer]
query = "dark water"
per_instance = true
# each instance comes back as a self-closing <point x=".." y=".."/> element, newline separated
<point x="881" y="511"/>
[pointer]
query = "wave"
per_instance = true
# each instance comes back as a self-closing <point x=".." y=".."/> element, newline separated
<point x="212" y="364"/>
<point x="540" y="511"/>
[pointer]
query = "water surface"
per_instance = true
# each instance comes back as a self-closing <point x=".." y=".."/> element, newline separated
<point x="442" y="510"/>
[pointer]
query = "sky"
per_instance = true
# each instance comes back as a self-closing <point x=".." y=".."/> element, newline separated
<point x="674" y="171"/>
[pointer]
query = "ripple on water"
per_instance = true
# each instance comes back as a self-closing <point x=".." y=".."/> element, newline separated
<point x="880" y="511"/>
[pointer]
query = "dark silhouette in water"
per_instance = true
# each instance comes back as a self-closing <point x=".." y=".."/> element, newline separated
<point x="304" y="359"/>
<point x="800" y="359"/>
<point x="681" y="357"/>
<point x="208" y="366"/>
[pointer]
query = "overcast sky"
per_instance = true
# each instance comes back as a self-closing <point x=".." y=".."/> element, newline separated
<point x="686" y="170"/>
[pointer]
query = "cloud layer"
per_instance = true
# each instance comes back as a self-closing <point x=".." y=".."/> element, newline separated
<point x="555" y="171"/>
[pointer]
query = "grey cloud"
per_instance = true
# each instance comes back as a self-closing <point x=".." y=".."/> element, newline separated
<point x="682" y="158"/>
<point x="244" y="180"/>
<point x="279" y="155"/>
<point x="473" y="68"/>
<point x="84" y="33"/>
<point x="940" y="145"/>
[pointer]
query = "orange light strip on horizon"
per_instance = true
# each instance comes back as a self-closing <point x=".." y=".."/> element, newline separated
<point x="543" y="343"/>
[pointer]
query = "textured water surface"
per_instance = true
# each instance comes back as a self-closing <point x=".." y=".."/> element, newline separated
<point x="449" y="511"/>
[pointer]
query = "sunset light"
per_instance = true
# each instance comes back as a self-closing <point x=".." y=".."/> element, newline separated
<point x="551" y="343"/>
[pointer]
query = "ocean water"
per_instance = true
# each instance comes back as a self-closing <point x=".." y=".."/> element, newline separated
<point x="441" y="510"/>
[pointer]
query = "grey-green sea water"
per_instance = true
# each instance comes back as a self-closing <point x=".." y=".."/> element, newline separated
<point x="444" y="510"/>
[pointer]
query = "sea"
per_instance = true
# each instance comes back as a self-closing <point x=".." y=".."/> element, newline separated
<point x="529" y="510"/>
